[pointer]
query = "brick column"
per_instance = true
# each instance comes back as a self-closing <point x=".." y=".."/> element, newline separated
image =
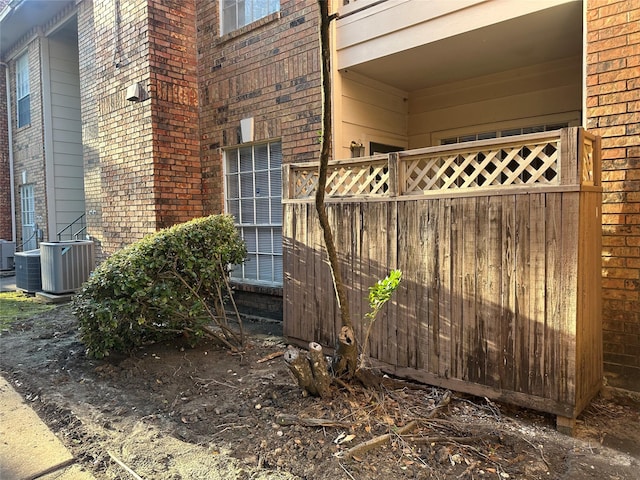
<point x="613" y="112"/>
<point x="6" y="212"/>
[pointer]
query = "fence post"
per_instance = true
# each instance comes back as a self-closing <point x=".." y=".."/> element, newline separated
<point x="569" y="150"/>
<point x="286" y="186"/>
<point x="394" y="187"/>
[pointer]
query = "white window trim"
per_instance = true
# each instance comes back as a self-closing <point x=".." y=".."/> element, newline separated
<point x="23" y="89"/>
<point x="570" y="118"/>
<point x="273" y="6"/>
<point x="253" y="227"/>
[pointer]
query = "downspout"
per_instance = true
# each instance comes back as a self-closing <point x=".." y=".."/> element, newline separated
<point x="10" y="141"/>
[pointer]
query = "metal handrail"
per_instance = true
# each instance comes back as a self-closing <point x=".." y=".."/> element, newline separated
<point x="19" y="247"/>
<point x="70" y="226"/>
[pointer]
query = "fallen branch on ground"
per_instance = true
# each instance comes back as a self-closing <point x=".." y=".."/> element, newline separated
<point x="377" y="441"/>
<point x="271" y="356"/>
<point x="444" y="439"/>
<point x="124" y="466"/>
<point x="364" y="447"/>
<point x="285" y="419"/>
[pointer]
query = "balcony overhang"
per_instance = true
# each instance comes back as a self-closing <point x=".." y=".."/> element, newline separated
<point x="19" y="17"/>
<point x="413" y="45"/>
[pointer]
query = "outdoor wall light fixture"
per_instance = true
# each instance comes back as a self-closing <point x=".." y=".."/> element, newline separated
<point x="246" y="129"/>
<point x="357" y="149"/>
<point x="134" y="92"/>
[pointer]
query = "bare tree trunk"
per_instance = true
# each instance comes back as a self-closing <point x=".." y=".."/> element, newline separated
<point x="346" y="358"/>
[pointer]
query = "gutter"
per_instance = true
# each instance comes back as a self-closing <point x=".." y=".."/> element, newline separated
<point x="10" y="7"/>
<point x="10" y="141"/>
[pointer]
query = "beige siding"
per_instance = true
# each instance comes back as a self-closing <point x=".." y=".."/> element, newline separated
<point x="535" y="95"/>
<point x="66" y="131"/>
<point x="371" y="112"/>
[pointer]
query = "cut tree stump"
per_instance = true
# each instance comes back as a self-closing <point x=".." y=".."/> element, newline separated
<point x="311" y="371"/>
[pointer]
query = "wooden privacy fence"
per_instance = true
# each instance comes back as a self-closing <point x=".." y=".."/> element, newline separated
<point x="499" y="244"/>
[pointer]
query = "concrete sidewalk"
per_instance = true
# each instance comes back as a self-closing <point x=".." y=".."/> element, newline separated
<point x="7" y="284"/>
<point x="28" y="449"/>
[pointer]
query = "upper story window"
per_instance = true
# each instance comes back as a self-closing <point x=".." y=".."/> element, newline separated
<point x="22" y="90"/>
<point x="238" y="13"/>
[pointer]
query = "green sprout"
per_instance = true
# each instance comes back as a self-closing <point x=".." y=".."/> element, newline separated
<point x="379" y="294"/>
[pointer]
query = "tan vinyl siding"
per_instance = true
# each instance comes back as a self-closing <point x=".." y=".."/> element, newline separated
<point x="539" y="94"/>
<point x="66" y="131"/>
<point x="371" y="112"/>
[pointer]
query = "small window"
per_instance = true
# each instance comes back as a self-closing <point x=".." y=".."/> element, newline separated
<point x="253" y="194"/>
<point x="238" y="13"/>
<point x="22" y="90"/>
<point x="502" y="133"/>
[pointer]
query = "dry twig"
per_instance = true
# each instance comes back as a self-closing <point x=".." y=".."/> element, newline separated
<point x="285" y="419"/>
<point x="271" y="356"/>
<point x="124" y="466"/>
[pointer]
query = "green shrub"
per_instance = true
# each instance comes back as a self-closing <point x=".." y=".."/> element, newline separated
<point x="158" y="287"/>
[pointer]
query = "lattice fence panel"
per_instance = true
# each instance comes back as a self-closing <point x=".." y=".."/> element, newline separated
<point x="304" y="182"/>
<point x="361" y="179"/>
<point x="536" y="163"/>
<point x="587" y="162"/>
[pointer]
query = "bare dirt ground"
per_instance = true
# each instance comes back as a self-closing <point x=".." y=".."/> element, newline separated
<point x="174" y="412"/>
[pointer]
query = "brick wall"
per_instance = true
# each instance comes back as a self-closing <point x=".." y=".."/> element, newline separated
<point x="6" y="212"/>
<point x="142" y="168"/>
<point x="613" y="112"/>
<point x="124" y="140"/>
<point x="174" y="105"/>
<point x="28" y="154"/>
<point x="90" y="133"/>
<point x="268" y="70"/>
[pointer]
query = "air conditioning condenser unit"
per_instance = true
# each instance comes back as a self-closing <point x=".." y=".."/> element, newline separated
<point x="66" y="265"/>
<point x="7" y="252"/>
<point x="28" y="276"/>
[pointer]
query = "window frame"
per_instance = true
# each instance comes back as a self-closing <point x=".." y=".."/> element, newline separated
<point x="253" y="15"/>
<point x="28" y="216"/>
<point x="262" y="235"/>
<point x="23" y="91"/>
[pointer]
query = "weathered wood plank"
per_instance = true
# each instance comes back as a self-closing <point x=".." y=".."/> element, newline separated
<point x="392" y="339"/>
<point x="485" y="299"/>
<point x="500" y="282"/>
<point x="566" y="360"/>
<point x="472" y="335"/>
<point x="432" y="289"/>
<point x="444" y="299"/>
<point x="553" y="300"/>
<point x="457" y="291"/>
<point x="537" y="281"/>
<point x="589" y="307"/>
<point x="490" y="310"/>
<point x="522" y="359"/>
<point x="406" y="300"/>
<point x="568" y="156"/>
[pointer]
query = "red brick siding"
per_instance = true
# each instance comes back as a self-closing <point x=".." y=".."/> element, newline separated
<point x="28" y="141"/>
<point x="268" y="70"/>
<point x="142" y="167"/>
<point x="6" y="212"/>
<point x="90" y="136"/>
<point x="174" y="104"/>
<point x="613" y="112"/>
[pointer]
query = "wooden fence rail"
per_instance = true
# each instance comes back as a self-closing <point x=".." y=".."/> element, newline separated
<point x="499" y="244"/>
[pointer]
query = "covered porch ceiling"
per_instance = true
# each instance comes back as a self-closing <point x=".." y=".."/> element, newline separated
<point x="531" y="39"/>
<point x="18" y="17"/>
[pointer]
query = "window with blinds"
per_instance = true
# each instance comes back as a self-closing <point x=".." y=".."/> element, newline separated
<point x="238" y="13"/>
<point x="253" y="194"/>
<point x="22" y="91"/>
<point x="502" y="133"/>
